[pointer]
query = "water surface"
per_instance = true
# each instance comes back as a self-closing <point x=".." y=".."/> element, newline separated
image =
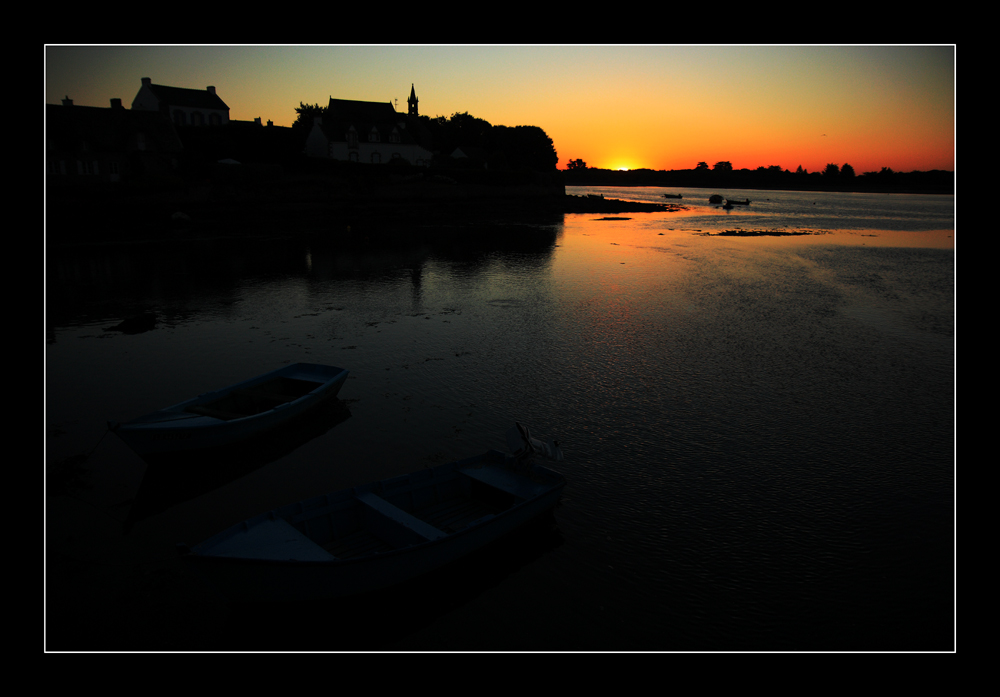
<point x="759" y="431"/>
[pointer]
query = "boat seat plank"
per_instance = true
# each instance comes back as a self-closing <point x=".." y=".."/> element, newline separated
<point x="399" y="516"/>
<point x="273" y="539"/>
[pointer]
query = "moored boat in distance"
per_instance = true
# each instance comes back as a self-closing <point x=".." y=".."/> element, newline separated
<point x="673" y="196"/>
<point x="233" y="414"/>
<point x="377" y="535"/>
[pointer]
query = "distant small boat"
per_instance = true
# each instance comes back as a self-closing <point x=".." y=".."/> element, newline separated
<point x="732" y="202"/>
<point x="232" y="414"/>
<point x="378" y="535"/>
<point x="673" y="196"/>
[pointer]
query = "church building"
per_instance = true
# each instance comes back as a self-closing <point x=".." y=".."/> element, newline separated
<point x="370" y="132"/>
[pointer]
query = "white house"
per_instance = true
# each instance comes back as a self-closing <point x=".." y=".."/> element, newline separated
<point x="186" y="107"/>
<point x="370" y="132"/>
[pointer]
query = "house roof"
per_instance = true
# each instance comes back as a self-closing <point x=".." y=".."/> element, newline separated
<point x="70" y="128"/>
<point x="183" y="96"/>
<point x="365" y="112"/>
<point x="341" y="114"/>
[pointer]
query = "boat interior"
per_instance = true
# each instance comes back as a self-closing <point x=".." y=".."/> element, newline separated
<point x="256" y="399"/>
<point x="392" y="514"/>
<point x="384" y="518"/>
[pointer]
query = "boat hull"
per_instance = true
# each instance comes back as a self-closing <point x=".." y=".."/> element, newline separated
<point x="215" y="419"/>
<point x="269" y="558"/>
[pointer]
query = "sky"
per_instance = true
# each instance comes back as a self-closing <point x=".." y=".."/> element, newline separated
<point x="612" y="106"/>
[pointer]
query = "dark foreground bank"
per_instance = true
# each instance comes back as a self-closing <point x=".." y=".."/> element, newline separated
<point x="337" y="210"/>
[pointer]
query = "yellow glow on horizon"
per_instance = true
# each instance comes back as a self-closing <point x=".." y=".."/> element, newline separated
<point x="619" y="164"/>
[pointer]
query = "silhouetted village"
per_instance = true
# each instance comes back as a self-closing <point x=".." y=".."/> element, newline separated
<point x="172" y="131"/>
<point x="175" y="160"/>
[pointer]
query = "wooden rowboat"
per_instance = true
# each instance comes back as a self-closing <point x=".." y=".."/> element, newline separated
<point x="377" y="535"/>
<point x="233" y="414"/>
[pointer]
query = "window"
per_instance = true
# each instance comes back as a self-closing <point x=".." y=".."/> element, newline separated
<point x="394" y="136"/>
<point x="352" y="138"/>
<point x="376" y="158"/>
<point x="373" y="136"/>
<point x="180" y="118"/>
<point x="197" y="119"/>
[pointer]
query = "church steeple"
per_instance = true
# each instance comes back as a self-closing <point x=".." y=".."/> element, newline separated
<point x="412" y="101"/>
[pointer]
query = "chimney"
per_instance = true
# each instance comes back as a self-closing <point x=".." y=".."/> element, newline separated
<point x="146" y="82"/>
<point x="116" y="103"/>
<point x="67" y="101"/>
<point x="270" y="122"/>
<point x="257" y="120"/>
<point x="211" y="89"/>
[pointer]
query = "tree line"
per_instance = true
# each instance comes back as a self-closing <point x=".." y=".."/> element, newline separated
<point x="833" y="177"/>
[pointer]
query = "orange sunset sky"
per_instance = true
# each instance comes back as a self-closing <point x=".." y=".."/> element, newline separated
<point x="616" y="106"/>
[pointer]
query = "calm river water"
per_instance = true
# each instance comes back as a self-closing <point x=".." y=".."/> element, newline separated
<point x="759" y="431"/>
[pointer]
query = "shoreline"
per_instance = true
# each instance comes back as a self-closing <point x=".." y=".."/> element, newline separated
<point x="417" y="212"/>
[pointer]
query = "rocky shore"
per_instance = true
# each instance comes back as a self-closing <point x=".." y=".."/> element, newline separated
<point x="599" y="204"/>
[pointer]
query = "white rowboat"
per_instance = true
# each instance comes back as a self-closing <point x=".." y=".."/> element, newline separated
<point x="233" y="414"/>
<point x="376" y="535"/>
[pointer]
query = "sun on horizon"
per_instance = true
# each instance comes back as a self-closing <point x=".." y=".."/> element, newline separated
<point x="622" y="166"/>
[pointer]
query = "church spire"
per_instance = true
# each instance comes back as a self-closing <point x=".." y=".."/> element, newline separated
<point x="412" y="101"/>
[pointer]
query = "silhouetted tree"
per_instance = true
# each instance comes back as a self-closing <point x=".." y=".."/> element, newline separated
<point x="465" y="129"/>
<point x="831" y="170"/>
<point x="723" y="167"/>
<point x="847" y="171"/>
<point x="526" y="147"/>
<point x="576" y="164"/>
<point x="701" y="166"/>
<point x="458" y="130"/>
<point x="307" y="114"/>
